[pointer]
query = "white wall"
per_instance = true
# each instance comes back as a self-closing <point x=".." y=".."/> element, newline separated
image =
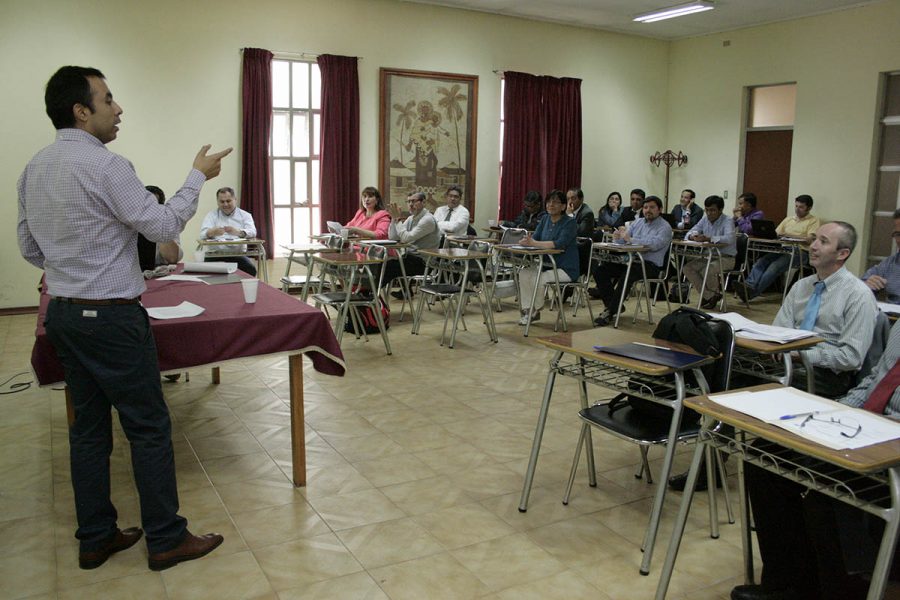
<point x="175" y="69"/>
<point x="835" y="60"/>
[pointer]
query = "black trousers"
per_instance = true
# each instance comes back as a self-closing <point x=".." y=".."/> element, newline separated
<point x="610" y="277"/>
<point x="109" y="357"/>
<point x="244" y="263"/>
<point x="413" y="263"/>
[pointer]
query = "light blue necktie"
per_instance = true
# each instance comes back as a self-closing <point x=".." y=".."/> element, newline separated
<point x="812" y="308"/>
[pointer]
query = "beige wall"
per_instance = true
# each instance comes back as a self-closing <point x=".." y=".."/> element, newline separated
<point x="835" y="60"/>
<point x="175" y="69"/>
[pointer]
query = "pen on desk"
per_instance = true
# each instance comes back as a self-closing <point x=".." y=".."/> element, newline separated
<point x="806" y="414"/>
<point x="651" y="346"/>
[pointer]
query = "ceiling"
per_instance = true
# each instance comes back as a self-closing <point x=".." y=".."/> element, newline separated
<point x="616" y="15"/>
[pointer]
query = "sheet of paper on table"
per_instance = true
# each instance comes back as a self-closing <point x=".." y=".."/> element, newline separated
<point x="210" y="267"/>
<point x="183" y="310"/>
<point x="758" y="331"/>
<point x="180" y="277"/>
<point x="886" y="307"/>
<point x="772" y="405"/>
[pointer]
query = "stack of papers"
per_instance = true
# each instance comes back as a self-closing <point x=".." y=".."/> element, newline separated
<point x="210" y="267"/>
<point x="833" y="425"/>
<point x="757" y="331"/>
<point x="183" y="310"/>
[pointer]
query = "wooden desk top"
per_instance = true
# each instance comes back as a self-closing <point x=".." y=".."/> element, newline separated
<point x="346" y="258"/>
<point x="762" y="347"/>
<point x="464" y="239"/>
<point x="581" y="344"/>
<point x="515" y="249"/>
<point x="234" y="242"/>
<point x="305" y="248"/>
<point x="621" y="248"/>
<point x="692" y="243"/>
<point x="455" y="253"/>
<point x="864" y="460"/>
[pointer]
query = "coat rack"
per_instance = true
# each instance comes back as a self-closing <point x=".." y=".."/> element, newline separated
<point x="668" y="158"/>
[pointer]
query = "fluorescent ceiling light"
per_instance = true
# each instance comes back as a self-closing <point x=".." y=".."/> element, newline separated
<point x="675" y="11"/>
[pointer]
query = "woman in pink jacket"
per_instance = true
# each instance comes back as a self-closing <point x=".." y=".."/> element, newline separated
<point x="371" y="220"/>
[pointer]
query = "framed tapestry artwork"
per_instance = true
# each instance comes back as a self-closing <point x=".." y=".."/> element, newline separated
<point x="427" y="136"/>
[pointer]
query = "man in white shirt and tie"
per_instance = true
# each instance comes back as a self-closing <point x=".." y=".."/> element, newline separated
<point x="452" y="218"/>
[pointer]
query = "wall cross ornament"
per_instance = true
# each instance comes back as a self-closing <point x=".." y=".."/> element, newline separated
<point x="668" y="158"/>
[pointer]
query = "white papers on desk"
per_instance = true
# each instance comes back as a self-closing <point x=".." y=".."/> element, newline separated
<point x="771" y="405"/>
<point x="193" y="278"/>
<point x="183" y="310"/>
<point x="891" y="309"/>
<point x="757" y="331"/>
<point x="615" y="245"/>
<point x="334" y="227"/>
<point x="379" y="242"/>
<point x="210" y="267"/>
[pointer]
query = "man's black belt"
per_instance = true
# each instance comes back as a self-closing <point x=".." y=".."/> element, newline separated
<point x="104" y="302"/>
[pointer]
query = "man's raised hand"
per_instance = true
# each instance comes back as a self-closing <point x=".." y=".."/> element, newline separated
<point x="210" y="164"/>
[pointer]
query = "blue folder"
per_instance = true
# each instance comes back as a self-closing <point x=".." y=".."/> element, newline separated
<point x="657" y="355"/>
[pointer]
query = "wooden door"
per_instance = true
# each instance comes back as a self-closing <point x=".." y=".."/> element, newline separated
<point x="767" y="170"/>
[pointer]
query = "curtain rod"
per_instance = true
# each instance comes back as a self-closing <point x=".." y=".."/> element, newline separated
<point x="300" y="54"/>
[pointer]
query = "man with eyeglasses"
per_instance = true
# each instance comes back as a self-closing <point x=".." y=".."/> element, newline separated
<point x="886" y="274"/>
<point x="810" y="542"/>
<point x="419" y="229"/>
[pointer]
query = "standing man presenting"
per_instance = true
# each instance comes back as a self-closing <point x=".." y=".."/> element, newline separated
<point x="228" y="221"/>
<point x="81" y="208"/>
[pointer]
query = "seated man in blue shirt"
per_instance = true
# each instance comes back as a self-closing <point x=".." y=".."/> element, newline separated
<point x="651" y="231"/>
<point x="714" y="227"/>
<point x="886" y="274"/>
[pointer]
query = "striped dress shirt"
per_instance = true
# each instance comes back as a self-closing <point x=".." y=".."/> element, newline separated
<point x="846" y="319"/>
<point x="858" y="395"/>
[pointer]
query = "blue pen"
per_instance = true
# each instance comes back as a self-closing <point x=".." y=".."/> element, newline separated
<point x="788" y="417"/>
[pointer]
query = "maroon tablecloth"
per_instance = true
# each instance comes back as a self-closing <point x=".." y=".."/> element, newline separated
<point x="228" y="328"/>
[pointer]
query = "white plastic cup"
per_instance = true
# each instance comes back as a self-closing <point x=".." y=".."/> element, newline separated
<point x="199" y="256"/>
<point x="492" y="222"/>
<point x="345" y="234"/>
<point x="250" y="287"/>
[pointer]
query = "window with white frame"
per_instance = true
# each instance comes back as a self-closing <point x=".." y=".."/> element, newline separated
<point x="294" y="150"/>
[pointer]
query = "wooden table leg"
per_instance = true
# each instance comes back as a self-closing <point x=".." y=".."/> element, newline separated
<point x="298" y="431"/>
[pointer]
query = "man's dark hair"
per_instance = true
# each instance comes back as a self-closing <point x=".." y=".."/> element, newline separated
<point x="222" y="190"/>
<point x="533" y="197"/>
<point x="805" y="199"/>
<point x="160" y="195"/>
<point x="417" y="196"/>
<point x="750" y="197"/>
<point x="67" y="87"/>
<point x="714" y="201"/>
<point x="847" y="237"/>
<point x="655" y="200"/>
<point x="454" y="188"/>
<point x="578" y="193"/>
<point x="689" y="191"/>
<point x="639" y="192"/>
<point x="558" y="194"/>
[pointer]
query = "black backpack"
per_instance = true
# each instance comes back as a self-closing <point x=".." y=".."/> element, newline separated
<point x="682" y="326"/>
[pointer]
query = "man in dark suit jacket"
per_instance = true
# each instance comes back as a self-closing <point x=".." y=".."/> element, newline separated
<point x="687" y="213"/>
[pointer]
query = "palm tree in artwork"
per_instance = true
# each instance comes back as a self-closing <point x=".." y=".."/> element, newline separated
<point x="450" y="102"/>
<point x="405" y="121"/>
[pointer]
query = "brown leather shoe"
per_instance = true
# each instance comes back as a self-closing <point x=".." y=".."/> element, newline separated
<point x="193" y="546"/>
<point x="122" y="540"/>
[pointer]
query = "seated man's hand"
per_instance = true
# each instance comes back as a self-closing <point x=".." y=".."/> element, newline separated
<point x="394" y="211"/>
<point x="876" y="282"/>
<point x="700" y="238"/>
<point x="214" y="232"/>
<point x="232" y="230"/>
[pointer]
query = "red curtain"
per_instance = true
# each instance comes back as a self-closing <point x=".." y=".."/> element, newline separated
<point x="541" y="137"/>
<point x="562" y="131"/>
<point x="256" y="96"/>
<point x="339" y="139"/>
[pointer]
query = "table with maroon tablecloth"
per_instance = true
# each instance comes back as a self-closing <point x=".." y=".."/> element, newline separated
<point x="228" y="329"/>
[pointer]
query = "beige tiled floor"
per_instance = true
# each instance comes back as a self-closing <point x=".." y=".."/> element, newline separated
<point x="416" y="463"/>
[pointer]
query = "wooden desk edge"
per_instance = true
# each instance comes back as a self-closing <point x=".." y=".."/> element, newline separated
<point x="864" y="460"/>
<point x="639" y="366"/>
<point x="764" y="347"/>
